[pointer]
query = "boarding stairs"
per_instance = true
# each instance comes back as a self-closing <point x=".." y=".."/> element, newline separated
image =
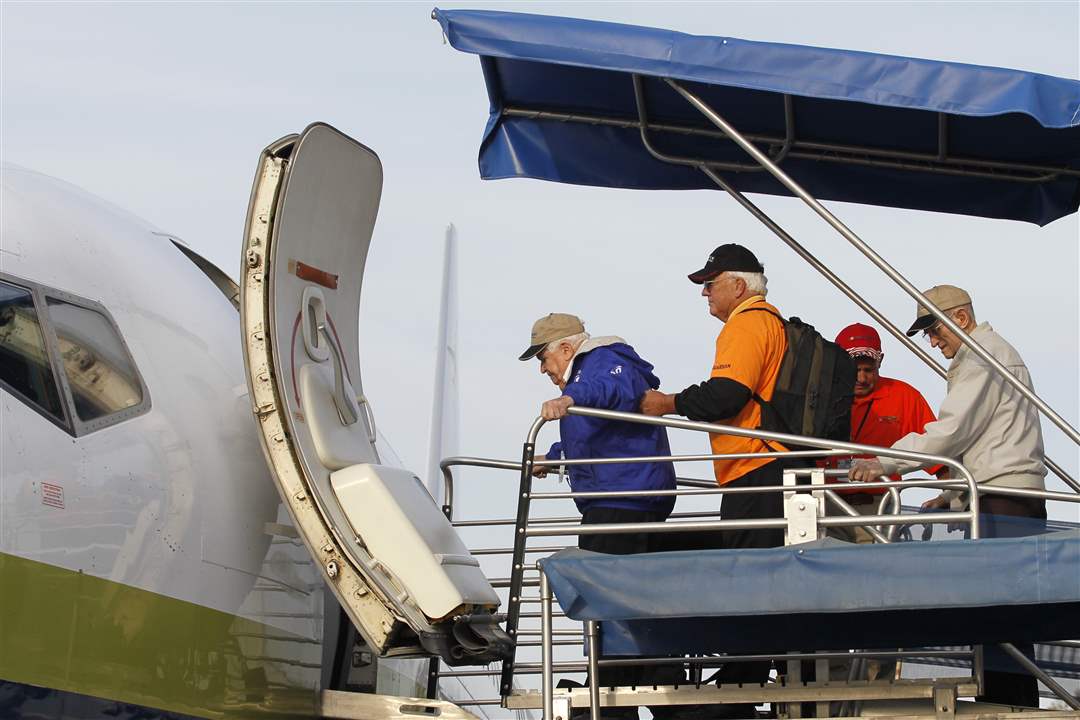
<point x="549" y="646"/>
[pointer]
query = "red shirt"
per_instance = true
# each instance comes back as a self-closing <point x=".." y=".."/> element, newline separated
<point x="892" y="410"/>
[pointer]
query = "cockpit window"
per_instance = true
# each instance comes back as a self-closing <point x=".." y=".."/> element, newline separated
<point x="100" y="372"/>
<point x="24" y="360"/>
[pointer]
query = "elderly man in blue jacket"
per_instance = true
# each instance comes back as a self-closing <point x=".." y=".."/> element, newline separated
<point x="605" y="372"/>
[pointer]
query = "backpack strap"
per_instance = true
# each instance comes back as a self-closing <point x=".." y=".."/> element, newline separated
<point x="776" y="315"/>
<point x="765" y="405"/>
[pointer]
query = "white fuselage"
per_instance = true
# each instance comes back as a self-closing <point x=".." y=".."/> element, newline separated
<point x="177" y="501"/>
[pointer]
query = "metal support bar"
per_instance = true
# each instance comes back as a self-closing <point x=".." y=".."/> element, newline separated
<point x="876" y="259"/>
<point x="509" y="520"/>
<point x="977" y="667"/>
<point x="472" y="703"/>
<point x="510" y="550"/>
<point x="936" y="518"/>
<point x="433" y="679"/>
<point x="821" y="671"/>
<point x="545" y="653"/>
<point x="535" y="615"/>
<point x="643" y="124"/>
<point x="724" y="490"/>
<point x="892" y="495"/>
<point x="1063" y="643"/>
<point x="717" y="660"/>
<point x="683" y="458"/>
<point x="852" y="512"/>
<point x="1024" y="662"/>
<point x="829" y="152"/>
<point x="517" y="572"/>
<point x="448" y="477"/>
<point x="752" y="693"/>
<point x="594" y="669"/>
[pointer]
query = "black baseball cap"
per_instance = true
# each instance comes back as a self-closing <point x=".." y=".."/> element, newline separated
<point x="730" y="257"/>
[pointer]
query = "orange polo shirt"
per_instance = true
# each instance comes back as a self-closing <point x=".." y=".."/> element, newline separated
<point x="892" y="410"/>
<point x="749" y="350"/>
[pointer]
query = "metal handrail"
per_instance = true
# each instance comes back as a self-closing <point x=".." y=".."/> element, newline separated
<point x="725" y="490"/>
<point x="529" y="462"/>
<point x="785" y="439"/>
<point x="448" y="478"/>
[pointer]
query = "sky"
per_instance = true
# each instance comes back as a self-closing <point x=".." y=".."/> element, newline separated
<point x="163" y="109"/>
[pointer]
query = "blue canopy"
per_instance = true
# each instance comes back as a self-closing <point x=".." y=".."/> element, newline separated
<point x="862" y="127"/>
<point x="826" y="595"/>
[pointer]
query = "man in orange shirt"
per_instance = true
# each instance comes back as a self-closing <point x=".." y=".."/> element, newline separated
<point x="749" y="351"/>
<point x="885" y="410"/>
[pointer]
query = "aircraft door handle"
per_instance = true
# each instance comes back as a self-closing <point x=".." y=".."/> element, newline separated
<point x="347" y="406"/>
<point x="313" y="310"/>
<point x="369" y="415"/>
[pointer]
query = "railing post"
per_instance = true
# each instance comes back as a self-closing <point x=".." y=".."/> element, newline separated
<point x="593" y="633"/>
<point x="517" y="571"/>
<point x="547" y="680"/>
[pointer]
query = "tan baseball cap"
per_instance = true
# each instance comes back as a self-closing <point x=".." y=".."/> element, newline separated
<point x="550" y="328"/>
<point x="945" y="297"/>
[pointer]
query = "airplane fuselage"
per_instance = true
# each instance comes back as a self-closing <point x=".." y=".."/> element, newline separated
<point x="148" y="560"/>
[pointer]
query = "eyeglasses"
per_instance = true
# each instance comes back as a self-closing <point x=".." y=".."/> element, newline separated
<point x="931" y="332"/>
<point x="709" y="283"/>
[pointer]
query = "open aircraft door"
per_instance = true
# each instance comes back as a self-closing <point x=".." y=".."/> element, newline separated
<point x="386" y="550"/>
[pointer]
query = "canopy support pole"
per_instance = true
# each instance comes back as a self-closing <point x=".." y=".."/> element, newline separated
<point x="876" y="259"/>
<point x="808" y="257"/>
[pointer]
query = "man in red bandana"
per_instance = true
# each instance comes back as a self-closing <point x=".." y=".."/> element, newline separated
<point x="885" y="410"/>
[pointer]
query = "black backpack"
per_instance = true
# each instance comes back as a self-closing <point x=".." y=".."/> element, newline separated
<point x="815" y="388"/>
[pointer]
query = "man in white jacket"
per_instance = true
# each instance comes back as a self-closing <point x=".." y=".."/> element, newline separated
<point x="984" y="421"/>
<point x="992" y="429"/>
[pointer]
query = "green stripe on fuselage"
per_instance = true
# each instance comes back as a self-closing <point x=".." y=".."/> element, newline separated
<point x="71" y="631"/>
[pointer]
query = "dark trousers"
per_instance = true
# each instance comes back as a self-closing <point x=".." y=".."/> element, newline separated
<point x="752" y="506"/>
<point x="626" y="544"/>
<point x="1017" y="687"/>
<point x="749" y="506"/>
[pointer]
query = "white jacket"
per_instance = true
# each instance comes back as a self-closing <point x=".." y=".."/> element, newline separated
<point x="984" y="422"/>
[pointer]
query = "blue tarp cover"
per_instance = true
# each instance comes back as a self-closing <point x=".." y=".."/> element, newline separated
<point x="885" y="102"/>
<point x="952" y="592"/>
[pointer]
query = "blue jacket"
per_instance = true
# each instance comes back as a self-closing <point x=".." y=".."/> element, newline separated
<point x="608" y="374"/>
